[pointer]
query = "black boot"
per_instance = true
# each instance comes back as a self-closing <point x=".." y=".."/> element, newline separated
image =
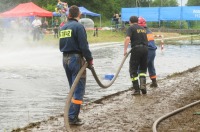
<point x="143" y="85"/>
<point x="154" y="83"/>
<point x="136" y="89"/>
<point x="76" y="121"/>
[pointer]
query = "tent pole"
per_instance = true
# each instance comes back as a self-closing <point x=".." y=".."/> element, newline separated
<point x="100" y="20"/>
<point x="52" y="24"/>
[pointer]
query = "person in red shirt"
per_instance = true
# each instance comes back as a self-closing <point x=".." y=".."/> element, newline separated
<point x="63" y="23"/>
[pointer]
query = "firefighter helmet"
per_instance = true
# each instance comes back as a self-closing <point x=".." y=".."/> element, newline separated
<point x="142" y="22"/>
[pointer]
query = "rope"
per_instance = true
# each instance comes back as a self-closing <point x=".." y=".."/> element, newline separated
<point x="172" y="113"/>
<point x="67" y="103"/>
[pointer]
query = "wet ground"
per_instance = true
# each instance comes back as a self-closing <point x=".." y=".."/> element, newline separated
<point x="33" y="85"/>
<point x="127" y="113"/>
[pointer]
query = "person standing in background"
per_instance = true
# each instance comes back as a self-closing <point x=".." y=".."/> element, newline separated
<point x="117" y="22"/>
<point x="63" y="23"/>
<point x="36" y="28"/>
<point x="55" y="26"/>
<point x="45" y="26"/>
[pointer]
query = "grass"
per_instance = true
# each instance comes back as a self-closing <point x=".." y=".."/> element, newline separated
<point x="103" y="36"/>
<point x="113" y="36"/>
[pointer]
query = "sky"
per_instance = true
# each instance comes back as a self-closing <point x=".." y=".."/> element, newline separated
<point x="183" y="2"/>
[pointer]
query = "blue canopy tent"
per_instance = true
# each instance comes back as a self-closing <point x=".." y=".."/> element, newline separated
<point x="87" y="12"/>
<point x="84" y="12"/>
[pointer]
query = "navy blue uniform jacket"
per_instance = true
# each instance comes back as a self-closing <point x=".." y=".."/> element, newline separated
<point x="73" y="39"/>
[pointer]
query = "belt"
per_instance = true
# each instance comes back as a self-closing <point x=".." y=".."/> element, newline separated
<point x="141" y="45"/>
<point x="72" y="53"/>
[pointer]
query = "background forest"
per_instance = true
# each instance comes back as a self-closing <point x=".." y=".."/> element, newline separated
<point x="104" y="7"/>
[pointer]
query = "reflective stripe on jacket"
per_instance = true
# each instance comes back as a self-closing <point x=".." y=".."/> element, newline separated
<point x="150" y="37"/>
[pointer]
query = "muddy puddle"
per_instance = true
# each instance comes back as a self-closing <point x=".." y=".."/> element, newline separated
<point x="33" y="85"/>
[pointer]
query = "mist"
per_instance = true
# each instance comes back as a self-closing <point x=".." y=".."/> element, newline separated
<point x="17" y="48"/>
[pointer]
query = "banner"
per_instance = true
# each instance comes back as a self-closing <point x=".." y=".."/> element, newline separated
<point x="162" y="13"/>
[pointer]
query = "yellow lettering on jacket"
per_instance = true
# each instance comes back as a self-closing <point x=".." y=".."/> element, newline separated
<point x="141" y="31"/>
<point x="65" y="33"/>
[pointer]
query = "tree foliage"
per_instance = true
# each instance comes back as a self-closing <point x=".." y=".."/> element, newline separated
<point x="104" y="7"/>
<point x="193" y="3"/>
<point x="164" y="3"/>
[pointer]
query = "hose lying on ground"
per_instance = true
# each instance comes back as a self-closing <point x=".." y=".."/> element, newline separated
<point x="172" y="113"/>
<point x="69" y="97"/>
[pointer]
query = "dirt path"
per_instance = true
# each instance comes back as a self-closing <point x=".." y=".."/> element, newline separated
<point x="127" y="113"/>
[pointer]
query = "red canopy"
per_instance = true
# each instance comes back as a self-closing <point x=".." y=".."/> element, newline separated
<point x="26" y="9"/>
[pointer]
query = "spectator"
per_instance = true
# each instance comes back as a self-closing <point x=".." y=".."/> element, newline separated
<point x="45" y="26"/>
<point x="55" y="26"/>
<point x="117" y="21"/>
<point x="95" y="31"/>
<point x="36" y="28"/>
<point x="63" y="23"/>
<point x="113" y="18"/>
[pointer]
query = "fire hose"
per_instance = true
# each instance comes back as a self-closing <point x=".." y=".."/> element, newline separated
<point x="154" y="128"/>
<point x="69" y="97"/>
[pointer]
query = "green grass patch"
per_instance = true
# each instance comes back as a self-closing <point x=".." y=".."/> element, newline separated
<point x="103" y="36"/>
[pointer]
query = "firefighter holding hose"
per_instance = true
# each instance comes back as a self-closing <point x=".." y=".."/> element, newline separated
<point x="136" y="36"/>
<point x="74" y="45"/>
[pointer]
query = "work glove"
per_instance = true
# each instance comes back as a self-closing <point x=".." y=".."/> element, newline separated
<point x="90" y="64"/>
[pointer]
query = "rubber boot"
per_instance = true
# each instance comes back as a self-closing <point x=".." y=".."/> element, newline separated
<point x="136" y="89"/>
<point x="76" y="121"/>
<point x="154" y="83"/>
<point x="143" y="85"/>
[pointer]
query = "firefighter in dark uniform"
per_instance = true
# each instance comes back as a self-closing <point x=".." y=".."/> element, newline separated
<point x="136" y="35"/>
<point x="74" y="45"/>
<point x="151" y="52"/>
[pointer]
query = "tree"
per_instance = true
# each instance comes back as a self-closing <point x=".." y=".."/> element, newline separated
<point x="104" y="7"/>
<point x="193" y="3"/>
<point x="164" y="3"/>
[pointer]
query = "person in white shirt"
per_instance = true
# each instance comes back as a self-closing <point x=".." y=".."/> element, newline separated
<point x="36" y="28"/>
